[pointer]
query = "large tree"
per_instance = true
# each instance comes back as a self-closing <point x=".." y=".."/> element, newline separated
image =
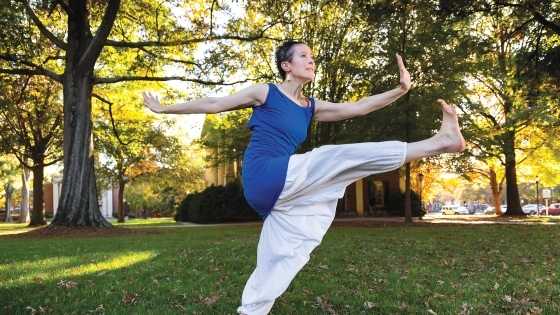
<point x="510" y="103"/>
<point x="86" y="40"/>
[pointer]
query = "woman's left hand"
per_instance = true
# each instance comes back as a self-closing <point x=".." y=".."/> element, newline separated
<point x="152" y="102"/>
<point x="405" y="76"/>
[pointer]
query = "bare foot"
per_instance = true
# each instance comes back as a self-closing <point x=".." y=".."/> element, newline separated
<point x="450" y="133"/>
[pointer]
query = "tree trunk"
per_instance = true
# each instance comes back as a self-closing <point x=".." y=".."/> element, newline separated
<point x="407" y="203"/>
<point x="496" y="191"/>
<point x="120" y="198"/>
<point x="78" y="205"/>
<point x="38" y="216"/>
<point x="24" y="211"/>
<point x="9" y="189"/>
<point x="513" y="203"/>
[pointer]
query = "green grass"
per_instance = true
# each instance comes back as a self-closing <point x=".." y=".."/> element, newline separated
<point x="464" y="269"/>
<point x="15" y="228"/>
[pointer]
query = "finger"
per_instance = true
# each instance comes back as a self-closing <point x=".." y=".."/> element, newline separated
<point x="400" y="61"/>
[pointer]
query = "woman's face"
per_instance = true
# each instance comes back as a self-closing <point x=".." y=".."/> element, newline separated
<point x="302" y="66"/>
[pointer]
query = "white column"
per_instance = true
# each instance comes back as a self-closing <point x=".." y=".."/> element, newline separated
<point x="57" y="185"/>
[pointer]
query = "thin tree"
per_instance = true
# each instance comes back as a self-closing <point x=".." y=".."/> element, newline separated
<point x="32" y="131"/>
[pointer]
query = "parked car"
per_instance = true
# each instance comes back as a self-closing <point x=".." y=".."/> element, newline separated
<point x="482" y="206"/>
<point x="489" y="210"/>
<point x="463" y="210"/>
<point x="532" y="208"/>
<point x="492" y="210"/>
<point x="554" y="209"/>
<point x="455" y="209"/>
<point x="479" y="212"/>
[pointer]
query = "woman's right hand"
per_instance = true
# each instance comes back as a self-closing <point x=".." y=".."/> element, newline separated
<point x="152" y="102"/>
<point x="404" y="75"/>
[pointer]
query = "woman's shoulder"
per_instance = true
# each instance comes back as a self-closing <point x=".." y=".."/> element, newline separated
<point x="258" y="91"/>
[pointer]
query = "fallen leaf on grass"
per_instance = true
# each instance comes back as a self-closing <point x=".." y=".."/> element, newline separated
<point x="207" y="300"/>
<point x="370" y="305"/>
<point x="67" y="284"/>
<point x="41" y="310"/>
<point x="100" y="308"/>
<point x="177" y="304"/>
<point x="130" y="299"/>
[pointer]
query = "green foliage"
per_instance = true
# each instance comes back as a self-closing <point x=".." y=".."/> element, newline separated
<point x="397" y="204"/>
<point x="182" y="213"/>
<point x="216" y="204"/>
<point x="225" y="137"/>
<point x="167" y="205"/>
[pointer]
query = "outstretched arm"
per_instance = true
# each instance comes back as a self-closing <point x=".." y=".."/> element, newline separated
<point x="327" y="111"/>
<point x="251" y="96"/>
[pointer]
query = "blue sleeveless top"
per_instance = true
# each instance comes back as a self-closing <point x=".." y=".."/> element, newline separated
<point x="279" y="126"/>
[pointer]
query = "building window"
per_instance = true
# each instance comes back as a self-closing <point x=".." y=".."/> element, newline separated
<point x="376" y="194"/>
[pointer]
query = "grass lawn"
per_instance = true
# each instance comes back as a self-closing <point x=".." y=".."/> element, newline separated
<point x="17" y="228"/>
<point x="437" y="269"/>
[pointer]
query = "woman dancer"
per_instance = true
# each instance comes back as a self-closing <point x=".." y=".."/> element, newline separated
<point x="296" y="194"/>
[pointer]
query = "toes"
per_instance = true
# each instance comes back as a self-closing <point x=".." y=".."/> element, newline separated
<point x="447" y="108"/>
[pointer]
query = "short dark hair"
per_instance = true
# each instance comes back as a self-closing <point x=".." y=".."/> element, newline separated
<point x="285" y="53"/>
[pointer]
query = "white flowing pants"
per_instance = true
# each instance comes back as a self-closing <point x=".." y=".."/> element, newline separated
<point x="305" y="210"/>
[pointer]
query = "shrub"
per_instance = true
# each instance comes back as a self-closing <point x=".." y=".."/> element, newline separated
<point x="216" y="204"/>
<point x="205" y="206"/>
<point x="182" y="213"/>
<point x="396" y="204"/>
<point x="237" y="209"/>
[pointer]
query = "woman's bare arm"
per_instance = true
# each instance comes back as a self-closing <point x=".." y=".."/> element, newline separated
<point x="327" y="111"/>
<point x="251" y="96"/>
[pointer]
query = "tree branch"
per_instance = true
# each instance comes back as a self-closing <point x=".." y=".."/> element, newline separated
<point x="63" y="5"/>
<point x="55" y="40"/>
<point x="89" y="58"/>
<point x="113" y="124"/>
<point x="37" y="71"/>
<point x="546" y="23"/>
<point x="160" y="79"/>
<point x="184" y="42"/>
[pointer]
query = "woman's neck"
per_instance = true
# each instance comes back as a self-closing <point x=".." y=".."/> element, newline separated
<point x="292" y="88"/>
